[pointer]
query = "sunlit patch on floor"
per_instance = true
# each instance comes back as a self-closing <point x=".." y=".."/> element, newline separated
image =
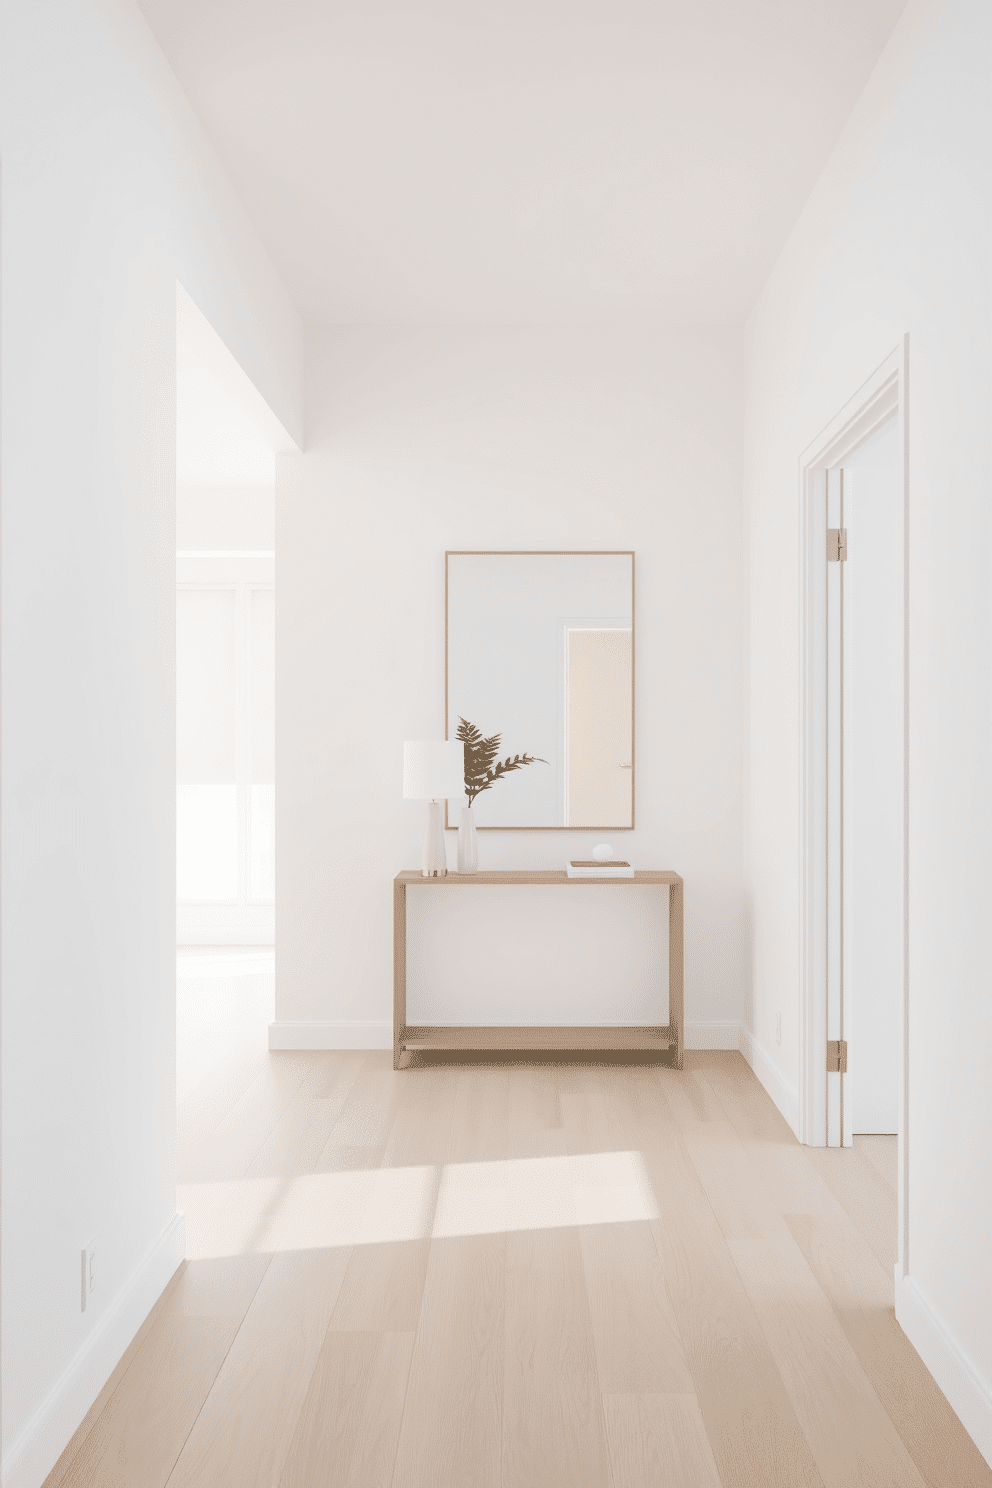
<point x="377" y="1205"/>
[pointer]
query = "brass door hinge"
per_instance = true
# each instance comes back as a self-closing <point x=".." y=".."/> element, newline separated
<point x="836" y="544"/>
<point x="836" y="1056"/>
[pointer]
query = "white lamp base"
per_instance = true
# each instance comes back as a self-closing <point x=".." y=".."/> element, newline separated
<point x="435" y="858"/>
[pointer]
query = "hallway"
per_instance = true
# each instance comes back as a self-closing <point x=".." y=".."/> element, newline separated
<point x="522" y="1275"/>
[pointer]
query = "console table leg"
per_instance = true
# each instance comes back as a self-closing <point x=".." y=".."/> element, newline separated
<point x="400" y="1058"/>
<point x="676" y="974"/>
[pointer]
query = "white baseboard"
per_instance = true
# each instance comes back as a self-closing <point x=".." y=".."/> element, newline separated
<point x="340" y="1034"/>
<point x="34" y="1452"/>
<point x="970" y="1397"/>
<point x="782" y="1094"/>
<point x="725" y="1034"/>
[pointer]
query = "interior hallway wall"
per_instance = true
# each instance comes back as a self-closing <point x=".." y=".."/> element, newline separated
<point x="897" y="237"/>
<point x="419" y="441"/>
<point x="110" y="194"/>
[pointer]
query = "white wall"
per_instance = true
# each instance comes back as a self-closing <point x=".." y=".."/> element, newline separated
<point x="898" y="237"/>
<point x="109" y="196"/>
<point x="225" y="518"/>
<point x="527" y="953"/>
<point x="420" y="441"/>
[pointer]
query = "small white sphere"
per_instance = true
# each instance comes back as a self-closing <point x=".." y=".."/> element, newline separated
<point x="603" y="853"/>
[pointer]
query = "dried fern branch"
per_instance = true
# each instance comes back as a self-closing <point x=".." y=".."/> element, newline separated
<point x="480" y="753"/>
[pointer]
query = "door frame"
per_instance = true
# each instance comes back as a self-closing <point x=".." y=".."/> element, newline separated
<point x="886" y="392"/>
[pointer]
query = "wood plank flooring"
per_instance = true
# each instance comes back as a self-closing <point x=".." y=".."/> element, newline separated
<point x="499" y="1273"/>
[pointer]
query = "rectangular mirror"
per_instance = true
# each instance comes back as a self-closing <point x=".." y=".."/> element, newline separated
<point x="539" y="679"/>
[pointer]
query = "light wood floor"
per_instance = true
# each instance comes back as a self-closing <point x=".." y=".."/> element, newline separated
<point x="523" y="1275"/>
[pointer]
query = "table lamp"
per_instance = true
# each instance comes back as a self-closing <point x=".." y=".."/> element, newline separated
<point x="433" y="771"/>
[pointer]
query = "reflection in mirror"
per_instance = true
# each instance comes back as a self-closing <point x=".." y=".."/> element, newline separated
<point x="540" y="651"/>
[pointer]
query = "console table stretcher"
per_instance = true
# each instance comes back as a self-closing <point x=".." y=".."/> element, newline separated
<point x="408" y="1037"/>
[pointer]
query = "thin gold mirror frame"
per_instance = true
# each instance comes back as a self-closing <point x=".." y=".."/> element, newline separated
<point x="550" y="553"/>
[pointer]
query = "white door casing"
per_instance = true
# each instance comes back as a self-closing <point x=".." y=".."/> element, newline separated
<point x="874" y="717"/>
<point x="883" y="397"/>
<point x="837" y="645"/>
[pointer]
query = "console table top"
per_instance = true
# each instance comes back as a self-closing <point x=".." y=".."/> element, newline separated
<point x="533" y="876"/>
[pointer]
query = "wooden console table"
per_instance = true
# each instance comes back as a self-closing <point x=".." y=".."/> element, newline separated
<point x="409" y="1037"/>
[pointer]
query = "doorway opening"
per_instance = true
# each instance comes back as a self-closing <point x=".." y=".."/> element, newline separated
<point x="225" y="713"/>
<point x="854" y="775"/>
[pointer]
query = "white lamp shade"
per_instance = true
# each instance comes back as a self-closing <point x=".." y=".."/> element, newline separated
<point x="433" y="769"/>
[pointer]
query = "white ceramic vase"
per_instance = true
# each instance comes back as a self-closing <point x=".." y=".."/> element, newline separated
<point x="468" y="847"/>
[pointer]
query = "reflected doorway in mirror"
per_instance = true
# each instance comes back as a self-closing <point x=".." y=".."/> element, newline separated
<point x="598" y="765"/>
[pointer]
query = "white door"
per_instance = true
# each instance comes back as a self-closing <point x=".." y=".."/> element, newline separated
<point x="865" y="775"/>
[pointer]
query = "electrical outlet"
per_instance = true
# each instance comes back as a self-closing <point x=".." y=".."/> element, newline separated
<point x="778" y="1026"/>
<point x="87" y="1272"/>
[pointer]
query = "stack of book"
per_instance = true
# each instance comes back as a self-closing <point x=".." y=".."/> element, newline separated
<point x="593" y="868"/>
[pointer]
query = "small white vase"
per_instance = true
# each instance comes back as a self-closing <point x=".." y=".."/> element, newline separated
<point x="468" y="847"/>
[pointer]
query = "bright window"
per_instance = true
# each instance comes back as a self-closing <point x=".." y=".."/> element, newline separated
<point x="225" y="732"/>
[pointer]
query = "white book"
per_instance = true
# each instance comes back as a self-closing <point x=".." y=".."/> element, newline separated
<point x="591" y="868"/>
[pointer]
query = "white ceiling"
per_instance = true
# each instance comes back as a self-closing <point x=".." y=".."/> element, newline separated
<point x="527" y="160"/>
